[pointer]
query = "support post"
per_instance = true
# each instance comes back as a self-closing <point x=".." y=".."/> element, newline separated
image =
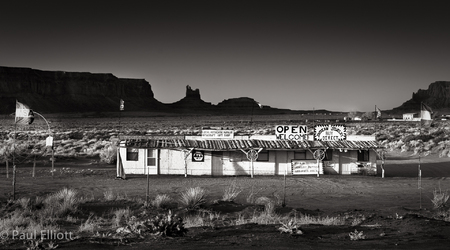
<point x="49" y="134"/>
<point x="187" y="152"/>
<point x="148" y="187"/>
<point x="252" y="155"/>
<point x="34" y="167"/>
<point x="14" y="164"/>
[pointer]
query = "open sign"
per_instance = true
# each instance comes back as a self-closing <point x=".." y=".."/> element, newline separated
<point x="291" y="132"/>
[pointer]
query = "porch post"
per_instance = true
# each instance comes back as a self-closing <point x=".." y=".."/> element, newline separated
<point x="252" y="155"/>
<point x="187" y="152"/>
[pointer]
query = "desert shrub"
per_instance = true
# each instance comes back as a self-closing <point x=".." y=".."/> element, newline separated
<point x="231" y="191"/>
<point x="90" y="225"/>
<point x="439" y="198"/>
<point x="60" y="203"/>
<point x="24" y="202"/>
<point x="76" y="135"/>
<point x="121" y="216"/>
<point x="421" y="137"/>
<point x="269" y="204"/>
<point x="109" y="195"/>
<point x="108" y="154"/>
<point x="251" y="196"/>
<point x="202" y="218"/>
<point x="357" y="235"/>
<point x="291" y="228"/>
<point x="193" y="198"/>
<point x="167" y="225"/>
<point x="444" y="152"/>
<point x="305" y="219"/>
<point x="161" y="201"/>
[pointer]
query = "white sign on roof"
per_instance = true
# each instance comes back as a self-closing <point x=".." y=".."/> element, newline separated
<point x="330" y="133"/>
<point x="217" y="134"/>
<point x="291" y="132"/>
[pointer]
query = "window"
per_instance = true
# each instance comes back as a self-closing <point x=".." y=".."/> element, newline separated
<point x="263" y="156"/>
<point x="237" y="156"/>
<point x="151" y="157"/>
<point x="132" y="154"/>
<point x="300" y="155"/>
<point x="363" y="155"/>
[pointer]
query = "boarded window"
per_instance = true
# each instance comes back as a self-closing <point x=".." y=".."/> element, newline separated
<point x="151" y="157"/>
<point x="363" y="155"/>
<point x="132" y="154"/>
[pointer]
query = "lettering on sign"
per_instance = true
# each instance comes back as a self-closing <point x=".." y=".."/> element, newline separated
<point x="291" y="132"/>
<point x="304" y="167"/>
<point x="198" y="156"/>
<point x="217" y="134"/>
<point x="330" y="133"/>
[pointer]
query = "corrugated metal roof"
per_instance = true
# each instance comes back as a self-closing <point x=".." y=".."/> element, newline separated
<point x="224" y="145"/>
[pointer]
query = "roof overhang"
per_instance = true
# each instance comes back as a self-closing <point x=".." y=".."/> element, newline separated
<point x="231" y="145"/>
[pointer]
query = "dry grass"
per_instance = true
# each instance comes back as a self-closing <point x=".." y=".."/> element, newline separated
<point x="120" y="217"/>
<point x="439" y="199"/>
<point x="193" y="198"/>
<point x="162" y="201"/>
<point x="231" y="191"/>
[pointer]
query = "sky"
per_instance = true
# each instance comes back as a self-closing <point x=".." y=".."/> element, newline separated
<point x="334" y="55"/>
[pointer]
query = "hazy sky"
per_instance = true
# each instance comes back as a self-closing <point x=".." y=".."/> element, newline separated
<point x="345" y="56"/>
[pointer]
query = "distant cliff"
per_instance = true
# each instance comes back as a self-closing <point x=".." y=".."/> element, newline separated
<point x="80" y="92"/>
<point x="59" y="91"/>
<point x="437" y="96"/>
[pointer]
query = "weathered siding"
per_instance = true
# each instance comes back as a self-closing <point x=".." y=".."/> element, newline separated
<point x="171" y="162"/>
<point x="217" y="163"/>
<point x="133" y="167"/>
<point x="347" y="163"/>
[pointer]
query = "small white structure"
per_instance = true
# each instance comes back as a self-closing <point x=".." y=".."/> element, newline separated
<point x="244" y="155"/>
<point x="410" y="117"/>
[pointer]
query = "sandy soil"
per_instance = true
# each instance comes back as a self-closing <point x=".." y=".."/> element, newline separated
<point x="398" y="214"/>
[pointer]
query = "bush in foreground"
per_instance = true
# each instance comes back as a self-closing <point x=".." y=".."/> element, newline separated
<point x="193" y="198"/>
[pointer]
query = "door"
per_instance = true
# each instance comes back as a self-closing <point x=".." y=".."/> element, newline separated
<point x="344" y="163"/>
<point x="217" y="163"/>
<point x="151" y="162"/>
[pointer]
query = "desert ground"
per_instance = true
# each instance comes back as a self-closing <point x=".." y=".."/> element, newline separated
<point x="326" y="212"/>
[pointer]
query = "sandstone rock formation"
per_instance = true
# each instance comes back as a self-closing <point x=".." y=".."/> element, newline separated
<point x="437" y="96"/>
<point x="81" y="92"/>
<point x="192" y="103"/>
<point x="59" y="91"/>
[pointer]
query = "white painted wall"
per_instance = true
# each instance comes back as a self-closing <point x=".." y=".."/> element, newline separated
<point x="139" y="166"/>
<point x="171" y="162"/>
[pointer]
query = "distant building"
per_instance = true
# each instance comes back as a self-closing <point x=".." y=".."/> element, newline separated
<point x="410" y="117"/>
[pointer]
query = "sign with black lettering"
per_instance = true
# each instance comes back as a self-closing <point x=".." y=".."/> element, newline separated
<point x="198" y="156"/>
<point x="300" y="167"/>
<point x="291" y="132"/>
<point x="217" y="134"/>
<point x="330" y="133"/>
